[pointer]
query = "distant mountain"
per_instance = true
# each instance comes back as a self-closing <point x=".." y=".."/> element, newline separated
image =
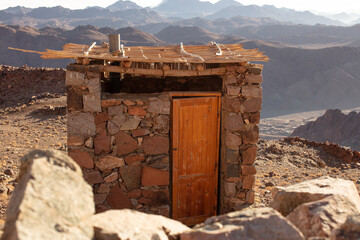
<point x="177" y="34"/>
<point x="67" y="18"/>
<point x="192" y="8"/>
<point x="122" y="5"/>
<point x="270" y="11"/>
<point x="334" y="126"/>
<point x="55" y="38"/>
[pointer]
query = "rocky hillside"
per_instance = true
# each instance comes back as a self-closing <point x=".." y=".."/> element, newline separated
<point x="334" y="126"/>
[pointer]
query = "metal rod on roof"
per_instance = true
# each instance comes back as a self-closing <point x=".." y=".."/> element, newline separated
<point x="114" y="42"/>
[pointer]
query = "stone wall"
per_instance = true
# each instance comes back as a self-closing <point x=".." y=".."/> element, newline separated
<point x="122" y="144"/>
<point x="241" y="104"/>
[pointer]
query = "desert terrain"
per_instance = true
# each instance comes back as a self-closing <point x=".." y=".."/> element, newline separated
<point x="35" y="118"/>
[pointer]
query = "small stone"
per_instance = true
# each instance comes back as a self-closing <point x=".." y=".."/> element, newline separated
<point x="152" y="177"/>
<point x="248" y="182"/>
<point x="75" y="141"/>
<point x="93" y="177"/>
<point x="116" y="110"/>
<point x="136" y="111"/>
<point x="134" y="202"/>
<point x="250" y="134"/>
<point x="111" y="178"/>
<point x="9" y="172"/>
<point x="82" y="158"/>
<point x="234" y="122"/>
<point x="104" y="188"/>
<point x="250" y="78"/>
<point x="230" y="188"/>
<point x="252" y="104"/>
<point x="131" y="176"/>
<point x="248" y="170"/>
<point x="110" y="162"/>
<point x="102" y="143"/>
<point x="140" y="132"/>
<point x="232" y="140"/>
<point x="101" y="117"/>
<point x="128" y="103"/>
<point x="125" y="143"/>
<point x="249" y="155"/>
<point x="156" y="145"/>
<point x="162" y="124"/>
<point x="232" y="90"/>
<point x="89" y="143"/>
<point x="255" y="70"/>
<point x="112" y="127"/>
<point x="119" y="120"/>
<point x="108" y="103"/>
<point x="130" y="124"/>
<point x="134" y="159"/>
<point x="118" y="199"/>
<point x="100" y="198"/>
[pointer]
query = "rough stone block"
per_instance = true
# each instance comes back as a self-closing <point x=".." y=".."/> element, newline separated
<point x="255" y="118"/>
<point x="125" y="143"/>
<point x="112" y="127"/>
<point x="156" y="145"/>
<point x="248" y="182"/>
<point x="248" y="170"/>
<point x="230" y="188"/>
<point x="81" y="124"/>
<point x="230" y="78"/>
<point x="102" y="143"/>
<point x="154" y="177"/>
<point x="232" y="156"/>
<point x="75" y="78"/>
<point x="93" y="177"/>
<point x="109" y="163"/>
<point x="158" y="106"/>
<point x="140" y="132"/>
<point x="112" y="177"/>
<point x="136" y="111"/>
<point x="250" y="134"/>
<point x="118" y="199"/>
<point x="253" y="78"/>
<point x="252" y="105"/>
<point x="82" y="158"/>
<point x="248" y="156"/>
<point x="232" y="90"/>
<point x="108" y="103"/>
<point x="250" y="197"/>
<point x="94" y="86"/>
<point x="131" y="176"/>
<point x="75" y="141"/>
<point x="162" y="124"/>
<point x="255" y="70"/>
<point x="233" y="104"/>
<point x="251" y="91"/>
<point x="130" y="124"/>
<point x="119" y="119"/>
<point x="232" y="141"/>
<point x="101" y="117"/>
<point x="74" y="98"/>
<point x="134" y="159"/>
<point x="234" y="122"/>
<point x="115" y="110"/>
<point x="92" y="103"/>
<point x="232" y="170"/>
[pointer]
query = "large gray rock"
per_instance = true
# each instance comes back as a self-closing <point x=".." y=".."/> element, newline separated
<point x="350" y="230"/>
<point x="134" y="225"/>
<point x="50" y="201"/>
<point x="320" y="218"/>
<point x="286" y="199"/>
<point x="257" y="223"/>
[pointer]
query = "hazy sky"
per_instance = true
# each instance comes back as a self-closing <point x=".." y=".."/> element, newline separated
<point x="331" y="6"/>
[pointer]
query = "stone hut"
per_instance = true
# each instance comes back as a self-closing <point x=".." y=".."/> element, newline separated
<point x="165" y="130"/>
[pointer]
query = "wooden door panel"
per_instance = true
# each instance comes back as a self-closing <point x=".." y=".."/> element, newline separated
<point x="195" y="151"/>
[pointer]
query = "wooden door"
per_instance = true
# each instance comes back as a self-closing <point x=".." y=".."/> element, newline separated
<point x="195" y="154"/>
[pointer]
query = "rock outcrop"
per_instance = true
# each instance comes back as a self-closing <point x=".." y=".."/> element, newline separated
<point x="260" y="223"/>
<point x="350" y="230"/>
<point x="286" y="199"/>
<point x="51" y="200"/>
<point x="334" y="126"/>
<point x="320" y="218"/>
<point x="139" y="226"/>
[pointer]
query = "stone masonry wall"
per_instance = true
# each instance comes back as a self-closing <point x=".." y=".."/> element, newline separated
<point x="122" y="145"/>
<point x="241" y="104"/>
<point x="122" y="142"/>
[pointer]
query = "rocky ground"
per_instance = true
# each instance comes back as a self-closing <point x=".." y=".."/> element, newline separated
<point x="39" y="121"/>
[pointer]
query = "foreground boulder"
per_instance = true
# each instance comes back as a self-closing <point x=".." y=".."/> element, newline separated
<point x="286" y="199"/>
<point x="134" y="225"/>
<point x="258" y="223"/>
<point x="350" y="230"/>
<point x="320" y="218"/>
<point x="50" y="201"/>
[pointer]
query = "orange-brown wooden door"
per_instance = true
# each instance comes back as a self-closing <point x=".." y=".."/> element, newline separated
<point x="195" y="154"/>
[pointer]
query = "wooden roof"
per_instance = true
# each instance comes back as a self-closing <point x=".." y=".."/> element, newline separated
<point x="212" y="53"/>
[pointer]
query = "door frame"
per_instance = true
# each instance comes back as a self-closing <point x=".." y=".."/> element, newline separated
<point x="177" y="95"/>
